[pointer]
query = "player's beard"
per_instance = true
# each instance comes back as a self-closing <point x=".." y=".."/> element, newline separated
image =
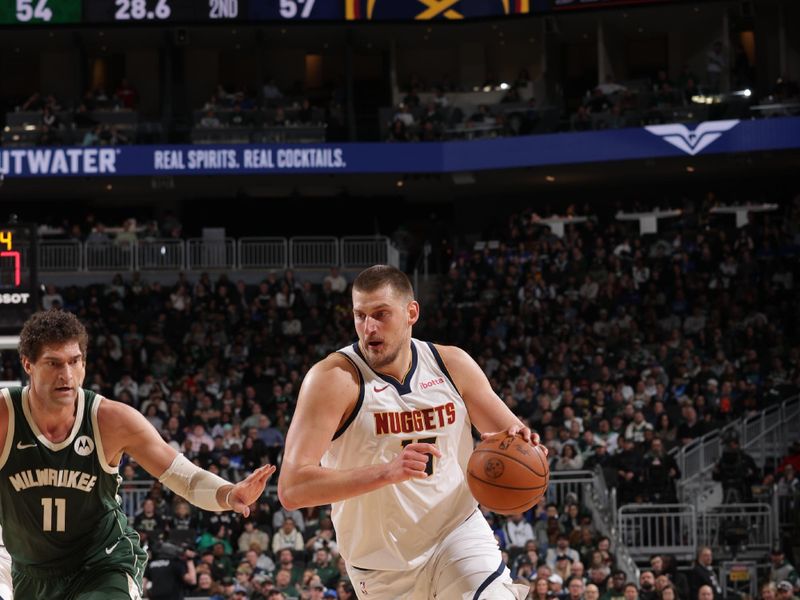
<point x="378" y="362"/>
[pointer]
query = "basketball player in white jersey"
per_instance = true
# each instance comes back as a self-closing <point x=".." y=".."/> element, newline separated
<point x="5" y="571"/>
<point x="383" y="432"/>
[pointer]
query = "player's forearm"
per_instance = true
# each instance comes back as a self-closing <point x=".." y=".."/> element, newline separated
<point x="299" y="487"/>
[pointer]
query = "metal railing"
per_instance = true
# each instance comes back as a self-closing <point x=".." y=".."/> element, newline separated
<point x="313" y="252"/>
<point x="763" y="436"/>
<point x="249" y="253"/>
<point x="160" y="255"/>
<point x="132" y="494"/>
<point x="786" y="508"/>
<point x="364" y="251"/>
<point x="61" y="256"/>
<point x="589" y="490"/>
<point x="747" y="529"/>
<point x="648" y="529"/>
<point x="206" y="254"/>
<point x="263" y="253"/>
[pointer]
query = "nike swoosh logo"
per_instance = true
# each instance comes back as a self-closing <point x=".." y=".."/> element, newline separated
<point x="110" y="549"/>
<point x="21" y="446"/>
<point x="377" y="389"/>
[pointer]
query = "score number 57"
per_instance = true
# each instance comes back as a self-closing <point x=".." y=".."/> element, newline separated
<point x="290" y="8"/>
<point x="33" y="9"/>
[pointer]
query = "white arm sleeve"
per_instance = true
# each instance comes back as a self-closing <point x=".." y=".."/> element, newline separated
<point x="197" y="485"/>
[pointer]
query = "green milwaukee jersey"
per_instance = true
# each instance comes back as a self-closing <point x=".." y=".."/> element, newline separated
<point x="59" y="507"/>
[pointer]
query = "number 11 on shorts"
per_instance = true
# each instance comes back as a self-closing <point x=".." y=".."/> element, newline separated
<point x="429" y="465"/>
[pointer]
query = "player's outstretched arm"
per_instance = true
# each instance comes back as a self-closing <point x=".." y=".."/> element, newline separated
<point x="124" y="429"/>
<point x="327" y="397"/>
<point x="488" y="413"/>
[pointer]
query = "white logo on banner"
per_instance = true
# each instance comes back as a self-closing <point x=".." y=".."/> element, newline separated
<point x="695" y="141"/>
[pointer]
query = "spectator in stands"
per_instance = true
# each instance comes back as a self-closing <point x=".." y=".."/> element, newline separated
<point x="629" y="471"/>
<point x="660" y="472"/>
<point x="691" y="427"/>
<point x="270" y="91"/>
<point x="668" y="592"/>
<point x="148" y="523"/>
<point x="238" y="117"/>
<point x="305" y="114"/>
<point x="287" y="537"/>
<point x="636" y="429"/>
<point x="716" y="63"/>
<point x="769" y="591"/>
<point x="781" y="569"/>
<point x="569" y="460"/>
<point x="210" y="120"/>
<point x="647" y="586"/>
<point x="703" y="573"/>
<point x="483" y="115"/>
<point x="631" y="592"/>
<point x="206" y="586"/>
<point x="556" y="583"/>
<point x="126" y="94"/>
<point x="786" y="590"/>
<point x="575" y="589"/>
<point x="540" y="589"/>
<point x="736" y="470"/>
<point x="609" y="87"/>
<point x="788" y="482"/>
<point x="562" y="548"/>
<point x="52" y="298"/>
<point x="404" y="115"/>
<point x="252" y="538"/>
<point x="516" y="531"/>
<point x="616" y="587"/>
<point x="337" y="281"/>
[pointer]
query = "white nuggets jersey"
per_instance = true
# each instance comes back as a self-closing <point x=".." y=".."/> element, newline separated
<point x="397" y="527"/>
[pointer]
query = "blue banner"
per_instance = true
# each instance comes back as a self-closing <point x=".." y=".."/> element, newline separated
<point x="657" y="141"/>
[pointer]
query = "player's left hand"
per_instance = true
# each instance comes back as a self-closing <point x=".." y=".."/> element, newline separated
<point x="524" y="432"/>
<point x="249" y="490"/>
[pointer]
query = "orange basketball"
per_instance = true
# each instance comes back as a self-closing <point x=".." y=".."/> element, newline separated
<point x="507" y="475"/>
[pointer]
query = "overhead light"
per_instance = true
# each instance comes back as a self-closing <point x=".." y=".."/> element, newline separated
<point x="550" y="178"/>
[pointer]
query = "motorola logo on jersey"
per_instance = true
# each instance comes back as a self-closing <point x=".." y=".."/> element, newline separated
<point x="428" y="384"/>
<point x="84" y="445"/>
<point x="410" y="421"/>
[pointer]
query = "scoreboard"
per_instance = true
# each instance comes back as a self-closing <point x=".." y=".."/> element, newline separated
<point x="106" y="12"/>
<point x="19" y="294"/>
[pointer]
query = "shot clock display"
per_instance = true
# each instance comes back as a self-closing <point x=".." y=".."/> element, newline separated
<point x="19" y="296"/>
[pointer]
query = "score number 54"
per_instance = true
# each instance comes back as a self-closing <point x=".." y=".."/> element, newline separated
<point x="33" y="9"/>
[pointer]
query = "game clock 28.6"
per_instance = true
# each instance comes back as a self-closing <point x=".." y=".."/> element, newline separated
<point x="154" y="11"/>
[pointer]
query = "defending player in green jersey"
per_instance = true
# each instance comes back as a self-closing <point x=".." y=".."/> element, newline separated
<point x="60" y="447"/>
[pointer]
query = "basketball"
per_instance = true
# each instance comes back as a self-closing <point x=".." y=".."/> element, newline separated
<point x="507" y="475"/>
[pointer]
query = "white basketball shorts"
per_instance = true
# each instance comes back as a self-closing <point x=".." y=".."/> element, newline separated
<point x="466" y="565"/>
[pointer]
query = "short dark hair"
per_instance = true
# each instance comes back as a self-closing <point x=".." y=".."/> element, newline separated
<point x="50" y="327"/>
<point x="377" y="276"/>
